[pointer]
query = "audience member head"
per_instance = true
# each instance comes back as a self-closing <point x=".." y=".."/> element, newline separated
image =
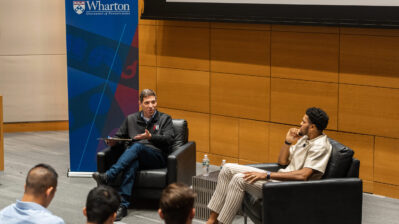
<point x="317" y="117"/>
<point x="101" y="205"/>
<point x="41" y="184"/>
<point x="177" y="204"/>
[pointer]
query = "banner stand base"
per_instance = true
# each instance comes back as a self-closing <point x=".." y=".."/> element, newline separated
<point x="79" y="174"/>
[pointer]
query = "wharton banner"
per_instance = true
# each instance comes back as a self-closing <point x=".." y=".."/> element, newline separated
<point x="102" y="53"/>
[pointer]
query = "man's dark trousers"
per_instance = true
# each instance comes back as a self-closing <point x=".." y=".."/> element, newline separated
<point x="137" y="156"/>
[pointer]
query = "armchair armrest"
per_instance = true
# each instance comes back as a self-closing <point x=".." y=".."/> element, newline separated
<point x="313" y="202"/>
<point x="102" y="159"/>
<point x="272" y="167"/>
<point x="108" y="156"/>
<point x="181" y="164"/>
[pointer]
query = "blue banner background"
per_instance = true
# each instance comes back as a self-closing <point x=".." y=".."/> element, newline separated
<point x="102" y="54"/>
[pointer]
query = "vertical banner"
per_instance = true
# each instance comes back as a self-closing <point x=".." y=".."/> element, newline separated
<point x="102" y="53"/>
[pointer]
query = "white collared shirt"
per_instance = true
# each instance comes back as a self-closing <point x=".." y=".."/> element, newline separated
<point x="312" y="154"/>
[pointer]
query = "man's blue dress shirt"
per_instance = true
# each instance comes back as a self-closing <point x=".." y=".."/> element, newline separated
<point x="28" y="213"/>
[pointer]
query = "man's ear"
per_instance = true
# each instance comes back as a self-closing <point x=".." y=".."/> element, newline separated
<point x="313" y="126"/>
<point x="160" y="214"/>
<point x="50" y="191"/>
<point x="84" y="211"/>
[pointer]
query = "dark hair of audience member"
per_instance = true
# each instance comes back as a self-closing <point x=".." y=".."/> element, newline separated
<point x="318" y="117"/>
<point x="101" y="203"/>
<point x="176" y="203"/>
<point x="40" y="178"/>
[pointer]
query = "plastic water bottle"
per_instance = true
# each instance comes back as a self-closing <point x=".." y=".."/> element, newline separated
<point x="222" y="164"/>
<point x="205" y="166"/>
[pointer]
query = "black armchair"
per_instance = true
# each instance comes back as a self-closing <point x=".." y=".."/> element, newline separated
<point x="336" y="198"/>
<point x="150" y="183"/>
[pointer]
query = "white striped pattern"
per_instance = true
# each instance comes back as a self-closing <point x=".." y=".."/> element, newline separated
<point x="230" y="189"/>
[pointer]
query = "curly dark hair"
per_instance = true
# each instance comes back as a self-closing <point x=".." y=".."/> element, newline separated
<point x="318" y="117"/>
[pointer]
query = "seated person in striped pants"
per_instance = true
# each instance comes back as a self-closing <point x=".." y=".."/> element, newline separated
<point x="306" y="160"/>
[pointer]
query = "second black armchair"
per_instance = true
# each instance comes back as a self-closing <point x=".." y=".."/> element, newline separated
<point x="336" y="198"/>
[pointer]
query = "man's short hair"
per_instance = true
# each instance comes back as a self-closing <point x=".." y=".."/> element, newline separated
<point x="40" y="178"/>
<point x="101" y="203"/>
<point x="318" y="117"/>
<point x="145" y="93"/>
<point x="176" y="203"/>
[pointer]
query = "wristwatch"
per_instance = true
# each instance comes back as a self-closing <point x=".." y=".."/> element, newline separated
<point x="268" y="175"/>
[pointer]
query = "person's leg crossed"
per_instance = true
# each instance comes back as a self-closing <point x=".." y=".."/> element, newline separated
<point x="125" y="160"/>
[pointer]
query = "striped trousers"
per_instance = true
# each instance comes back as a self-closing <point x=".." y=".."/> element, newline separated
<point x="230" y="190"/>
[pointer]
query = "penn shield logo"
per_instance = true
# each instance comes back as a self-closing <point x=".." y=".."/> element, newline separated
<point x="79" y="7"/>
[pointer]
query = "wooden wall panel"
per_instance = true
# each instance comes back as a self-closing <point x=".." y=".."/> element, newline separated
<point x="189" y="24"/>
<point x="305" y="29"/>
<point x="198" y="126"/>
<point x="386" y="164"/>
<point x="183" y="47"/>
<point x="215" y="159"/>
<point x="363" y="146"/>
<point x="386" y="190"/>
<point x="224" y="136"/>
<point x="369" y="60"/>
<point x="148" y="78"/>
<point x="36" y="126"/>
<point x="147" y="45"/>
<point x="240" y="96"/>
<point x="307" y="56"/>
<point x="246" y="162"/>
<point x="291" y="98"/>
<point x="368" y="186"/>
<point x="183" y="89"/>
<point x="240" y="52"/>
<point x="240" y="26"/>
<point x="277" y="133"/>
<point x="369" y="110"/>
<point x="237" y="83"/>
<point x="253" y="141"/>
<point x="369" y="31"/>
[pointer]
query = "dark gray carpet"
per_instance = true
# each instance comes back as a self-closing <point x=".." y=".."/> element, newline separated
<point x="24" y="150"/>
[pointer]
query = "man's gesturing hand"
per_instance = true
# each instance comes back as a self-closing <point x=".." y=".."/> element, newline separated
<point x="252" y="177"/>
<point x="145" y="135"/>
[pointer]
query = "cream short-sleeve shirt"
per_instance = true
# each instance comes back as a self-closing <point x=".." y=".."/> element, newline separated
<point x="312" y="154"/>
